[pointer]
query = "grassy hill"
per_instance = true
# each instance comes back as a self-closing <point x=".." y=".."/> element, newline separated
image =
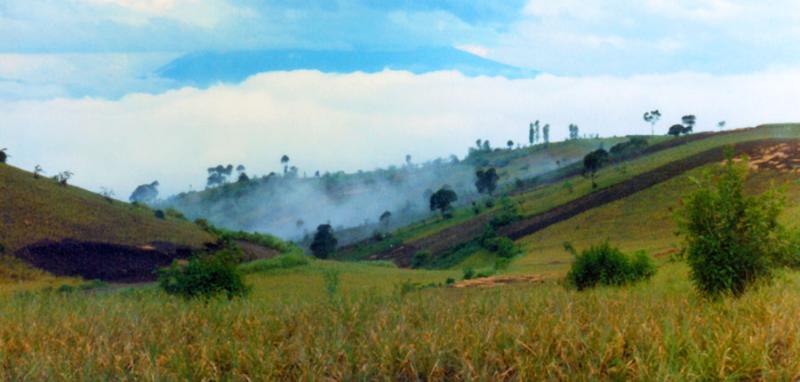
<point x="33" y="211"/>
<point x="440" y="235"/>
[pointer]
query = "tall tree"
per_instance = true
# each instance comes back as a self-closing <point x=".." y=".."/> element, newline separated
<point x="486" y="181"/>
<point x="285" y="163"/>
<point x="510" y="144"/>
<point x="530" y="134"/>
<point x="441" y="200"/>
<point x="324" y="243"/>
<point x="546" y="134"/>
<point x="573" y="131"/>
<point x="652" y="118"/>
<point x="688" y="122"/>
<point x="593" y="162"/>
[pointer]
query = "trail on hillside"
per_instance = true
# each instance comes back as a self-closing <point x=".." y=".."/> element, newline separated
<point x="452" y="237"/>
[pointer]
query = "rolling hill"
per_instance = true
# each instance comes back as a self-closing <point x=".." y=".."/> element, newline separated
<point x="68" y="230"/>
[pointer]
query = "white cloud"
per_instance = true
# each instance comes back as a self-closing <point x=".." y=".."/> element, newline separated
<point x="352" y="121"/>
<point x="474" y="49"/>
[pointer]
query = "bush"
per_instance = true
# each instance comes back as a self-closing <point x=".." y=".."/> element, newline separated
<point x="175" y="214"/>
<point x="502" y="246"/>
<point x="731" y="239"/>
<point x="469" y="273"/>
<point x="606" y="265"/>
<point x="159" y="214"/>
<point x="420" y="259"/>
<point x="205" y="277"/>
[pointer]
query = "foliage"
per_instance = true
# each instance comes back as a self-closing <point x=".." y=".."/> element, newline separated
<point x="502" y="246"/>
<point x="159" y="214"/>
<point x="469" y="273"/>
<point x="441" y="200"/>
<point x="287" y="261"/>
<point x="730" y="237"/>
<point x="509" y="213"/>
<point x="204" y="276"/>
<point x="486" y="180"/>
<point x="628" y="149"/>
<point x="331" y="279"/>
<point x="3" y="156"/>
<point x="324" y="243"/>
<point x="606" y="265"/>
<point x="145" y="193"/>
<point x="420" y="259"/>
<point x="593" y="162"/>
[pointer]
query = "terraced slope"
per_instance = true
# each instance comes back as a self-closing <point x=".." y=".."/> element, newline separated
<point x="61" y="227"/>
<point x="549" y="204"/>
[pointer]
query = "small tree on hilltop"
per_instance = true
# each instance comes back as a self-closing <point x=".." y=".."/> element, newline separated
<point x="441" y="200"/>
<point x="688" y="121"/>
<point x="285" y="163"/>
<point x="730" y="238"/>
<point x="652" y="118"/>
<point x="510" y="144"/>
<point x="3" y="155"/>
<point x="593" y="162"/>
<point x="676" y="130"/>
<point x="546" y="134"/>
<point x="146" y="193"/>
<point x="324" y="243"/>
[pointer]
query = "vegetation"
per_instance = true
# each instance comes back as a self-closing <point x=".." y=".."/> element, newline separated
<point x="730" y="237"/>
<point x="325" y="242"/>
<point x="145" y="193"/>
<point x="442" y="199"/>
<point x="606" y="265"/>
<point x="593" y="162"/>
<point x="287" y="261"/>
<point x="204" y="276"/>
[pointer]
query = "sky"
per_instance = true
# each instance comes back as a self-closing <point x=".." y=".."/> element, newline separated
<point x="81" y="84"/>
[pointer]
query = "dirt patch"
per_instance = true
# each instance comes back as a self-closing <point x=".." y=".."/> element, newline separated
<point x="255" y="252"/>
<point x="102" y="261"/>
<point x="496" y="281"/>
<point x="784" y="157"/>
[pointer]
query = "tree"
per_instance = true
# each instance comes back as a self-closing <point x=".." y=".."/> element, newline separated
<point x="285" y="163"/>
<point x="324" y="243"/>
<point x="486" y="180"/>
<point x="243" y="178"/>
<point x="487" y="146"/>
<point x="37" y="172"/>
<point x="63" y="177"/>
<point x="384" y="219"/>
<point x="408" y="160"/>
<point x="145" y="193"/>
<point x="721" y="124"/>
<point x="688" y="121"/>
<point x="3" y="155"/>
<point x="510" y="144"/>
<point x="530" y="134"/>
<point x="730" y="236"/>
<point x="652" y="118"/>
<point x="573" y="131"/>
<point x="441" y="200"/>
<point x="676" y="130"/>
<point x="546" y="134"/>
<point x="593" y="162"/>
<point x="479" y="144"/>
<point x="218" y="175"/>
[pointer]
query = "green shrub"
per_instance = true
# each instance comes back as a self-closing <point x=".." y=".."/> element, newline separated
<point x="420" y="259"/>
<point x="606" y="265"/>
<point x="502" y="246"/>
<point x="469" y="273"/>
<point x="731" y="239"/>
<point x="173" y="213"/>
<point x="159" y="214"/>
<point x="331" y="279"/>
<point x="291" y="260"/>
<point x="509" y="213"/>
<point x="205" y="276"/>
<point x="450" y="281"/>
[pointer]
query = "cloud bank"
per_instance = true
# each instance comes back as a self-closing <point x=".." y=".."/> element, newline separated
<point x="357" y="121"/>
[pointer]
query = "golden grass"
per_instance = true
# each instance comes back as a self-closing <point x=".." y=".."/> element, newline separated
<point x="659" y="330"/>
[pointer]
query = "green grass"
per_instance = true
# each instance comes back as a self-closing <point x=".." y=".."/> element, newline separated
<point x="32" y="210"/>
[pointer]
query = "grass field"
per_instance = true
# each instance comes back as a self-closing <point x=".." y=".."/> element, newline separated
<point x="331" y="320"/>
<point x="32" y="210"/>
<point x="659" y="330"/>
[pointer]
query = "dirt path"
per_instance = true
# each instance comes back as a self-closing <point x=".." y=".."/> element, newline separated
<point x="451" y="237"/>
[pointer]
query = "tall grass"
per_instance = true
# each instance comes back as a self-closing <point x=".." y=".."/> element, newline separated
<point x="656" y="331"/>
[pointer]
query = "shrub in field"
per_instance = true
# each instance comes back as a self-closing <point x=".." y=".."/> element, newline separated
<point x="325" y="242"/>
<point x="204" y="276"/>
<point x="606" y="265"/>
<point x="731" y="238"/>
<point x="502" y="246"/>
<point x="420" y="259"/>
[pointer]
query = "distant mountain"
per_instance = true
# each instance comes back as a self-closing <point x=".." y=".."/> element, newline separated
<point x="206" y="68"/>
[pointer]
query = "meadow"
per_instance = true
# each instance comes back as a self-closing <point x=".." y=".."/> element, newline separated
<point x="292" y="328"/>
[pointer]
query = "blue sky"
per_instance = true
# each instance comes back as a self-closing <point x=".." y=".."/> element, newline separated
<point x="76" y="70"/>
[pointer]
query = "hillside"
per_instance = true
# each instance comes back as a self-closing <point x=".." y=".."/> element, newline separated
<point x="292" y="206"/>
<point x="552" y="202"/>
<point x="62" y="227"/>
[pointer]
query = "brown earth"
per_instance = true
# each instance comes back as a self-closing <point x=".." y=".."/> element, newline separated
<point x="255" y="252"/>
<point x="451" y="237"/>
<point x="495" y="281"/>
<point x="102" y="261"/>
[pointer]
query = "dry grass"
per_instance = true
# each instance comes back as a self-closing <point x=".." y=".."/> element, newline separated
<point x="658" y="330"/>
